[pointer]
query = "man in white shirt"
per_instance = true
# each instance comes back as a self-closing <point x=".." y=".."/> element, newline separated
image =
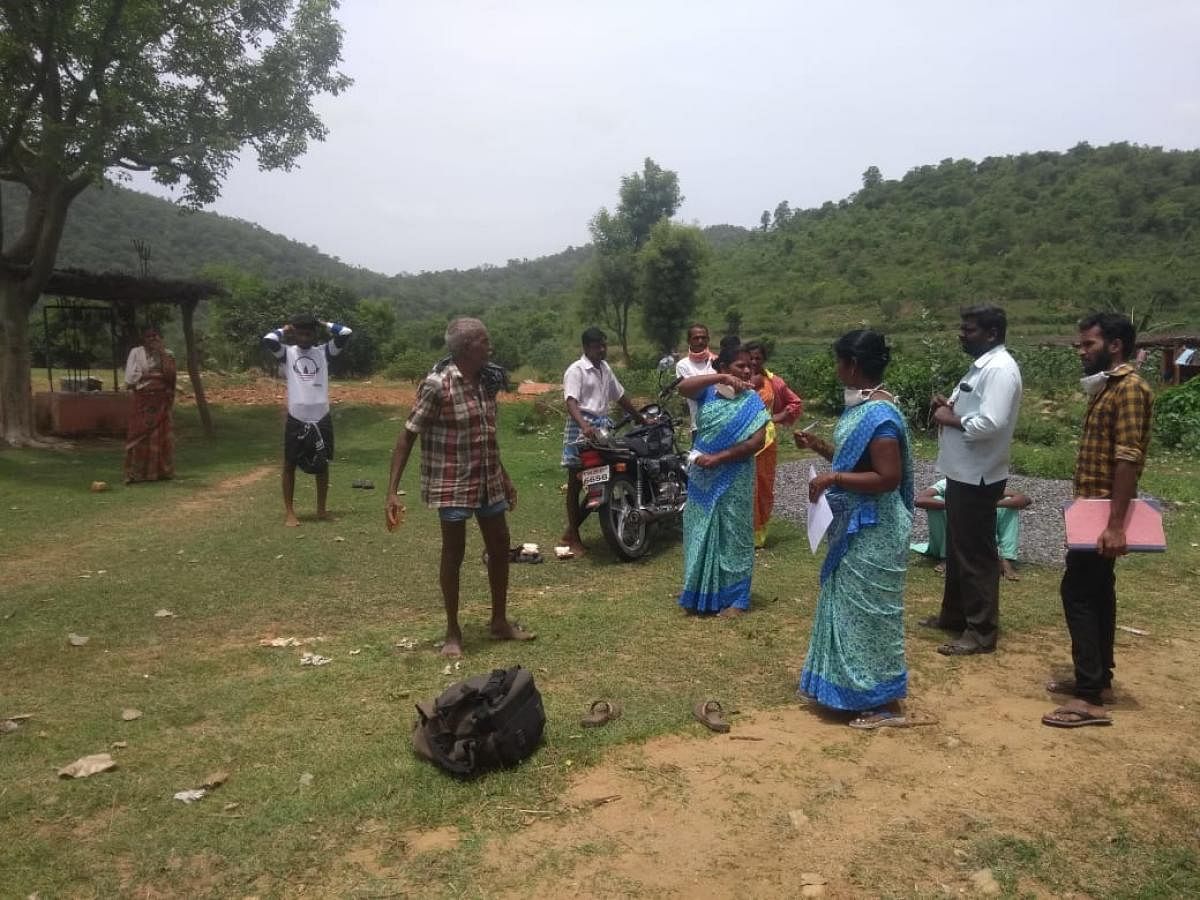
<point x="697" y="362"/>
<point x="590" y="388"/>
<point x="308" y="432"/>
<point x="974" y="440"/>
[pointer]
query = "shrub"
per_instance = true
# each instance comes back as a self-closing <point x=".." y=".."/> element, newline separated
<point x="1177" y="416"/>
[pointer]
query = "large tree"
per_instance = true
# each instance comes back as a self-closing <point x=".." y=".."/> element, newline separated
<point x="669" y="269"/>
<point x="175" y="88"/>
<point x="611" y="287"/>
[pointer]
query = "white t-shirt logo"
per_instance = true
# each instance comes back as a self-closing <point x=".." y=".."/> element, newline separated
<point x="306" y="367"/>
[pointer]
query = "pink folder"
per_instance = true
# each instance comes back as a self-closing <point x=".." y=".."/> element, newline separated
<point x="1085" y="519"/>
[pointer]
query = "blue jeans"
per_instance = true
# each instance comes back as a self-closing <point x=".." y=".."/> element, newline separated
<point x="462" y="513"/>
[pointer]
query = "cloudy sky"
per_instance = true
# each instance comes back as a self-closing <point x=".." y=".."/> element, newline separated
<point x="480" y="131"/>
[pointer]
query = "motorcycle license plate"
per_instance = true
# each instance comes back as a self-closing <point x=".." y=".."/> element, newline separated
<point x="598" y="475"/>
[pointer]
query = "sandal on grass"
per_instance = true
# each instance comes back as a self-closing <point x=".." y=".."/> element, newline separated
<point x="601" y="712"/>
<point x="708" y="714"/>
<point x="1073" y="717"/>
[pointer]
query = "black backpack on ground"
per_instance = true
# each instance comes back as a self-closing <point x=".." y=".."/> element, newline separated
<point x="485" y="722"/>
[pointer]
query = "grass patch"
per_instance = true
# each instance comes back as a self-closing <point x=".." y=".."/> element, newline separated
<point x="214" y="699"/>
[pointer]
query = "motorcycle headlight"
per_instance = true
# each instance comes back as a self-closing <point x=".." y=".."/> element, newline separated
<point x="601" y="436"/>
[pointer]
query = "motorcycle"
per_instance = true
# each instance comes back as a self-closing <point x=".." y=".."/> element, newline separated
<point x="638" y="479"/>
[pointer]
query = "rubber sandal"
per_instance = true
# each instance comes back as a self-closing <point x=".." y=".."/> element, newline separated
<point x="880" y="719"/>
<point x="1083" y="719"/>
<point x="708" y="714"/>
<point x="958" y="648"/>
<point x="601" y="712"/>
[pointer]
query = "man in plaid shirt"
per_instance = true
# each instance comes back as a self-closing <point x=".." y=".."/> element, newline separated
<point x="1112" y="455"/>
<point x="461" y="473"/>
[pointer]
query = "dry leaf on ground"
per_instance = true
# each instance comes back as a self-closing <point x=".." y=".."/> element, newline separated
<point x="190" y="796"/>
<point x="164" y="614"/>
<point x="128" y="715"/>
<point x="88" y="765"/>
<point x="314" y="659"/>
<point x="77" y="640"/>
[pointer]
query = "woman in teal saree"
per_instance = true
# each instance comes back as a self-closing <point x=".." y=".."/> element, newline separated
<point x="855" y="658"/>
<point x="718" y="521"/>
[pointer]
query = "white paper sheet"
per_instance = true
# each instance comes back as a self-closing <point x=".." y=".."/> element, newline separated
<point x="819" y="516"/>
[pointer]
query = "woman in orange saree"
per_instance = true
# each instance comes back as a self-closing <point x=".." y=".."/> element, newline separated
<point x="150" y="439"/>
<point x="784" y="407"/>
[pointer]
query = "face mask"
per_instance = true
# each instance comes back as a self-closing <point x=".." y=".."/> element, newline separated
<point x="855" y="396"/>
<point x="1093" y="384"/>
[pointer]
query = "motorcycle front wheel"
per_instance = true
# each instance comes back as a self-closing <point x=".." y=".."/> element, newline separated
<point x="626" y="531"/>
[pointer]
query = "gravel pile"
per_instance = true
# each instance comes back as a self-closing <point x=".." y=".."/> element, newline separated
<point x="1041" y="525"/>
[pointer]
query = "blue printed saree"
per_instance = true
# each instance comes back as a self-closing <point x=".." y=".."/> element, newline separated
<point x="856" y="656"/>
<point x="718" y="522"/>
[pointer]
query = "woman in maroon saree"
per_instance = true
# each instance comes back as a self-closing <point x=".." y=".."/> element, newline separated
<point x="150" y="442"/>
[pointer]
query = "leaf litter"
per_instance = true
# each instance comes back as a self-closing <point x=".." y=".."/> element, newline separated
<point x="86" y="766"/>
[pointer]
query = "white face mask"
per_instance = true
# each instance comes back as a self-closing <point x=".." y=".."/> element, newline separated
<point x="855" y="396"/>
<point x="1093" y="384"/>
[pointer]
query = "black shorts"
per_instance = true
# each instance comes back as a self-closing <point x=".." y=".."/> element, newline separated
<point x="291" y="438"/>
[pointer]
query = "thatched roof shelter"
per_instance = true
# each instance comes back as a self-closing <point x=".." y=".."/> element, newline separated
<point x="122" y="290"/>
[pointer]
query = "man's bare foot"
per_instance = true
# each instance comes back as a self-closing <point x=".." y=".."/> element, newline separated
<point x="940" y="568"/>
<point x="507" y="631"/>
<point x="731" y="612"/>
<point x="291" y="521"/>
<point x="452" y="647"/>
<point x="1008" y="570"/>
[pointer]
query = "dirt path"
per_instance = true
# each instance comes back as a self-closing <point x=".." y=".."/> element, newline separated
<point x="870" y="813"/>
<point x="49" y="560"/>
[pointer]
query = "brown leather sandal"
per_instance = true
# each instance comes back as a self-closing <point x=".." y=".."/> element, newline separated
<point x="601" y="712"/>
<point x="708" y="714"/>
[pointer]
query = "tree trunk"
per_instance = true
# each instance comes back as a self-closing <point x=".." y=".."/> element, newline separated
<point x="193" y="366"/>
<point x="16" y="391"/>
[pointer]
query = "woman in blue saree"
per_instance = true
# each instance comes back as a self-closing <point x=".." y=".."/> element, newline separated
<point x="855" y="659"/>
<point x="718" y="521"/>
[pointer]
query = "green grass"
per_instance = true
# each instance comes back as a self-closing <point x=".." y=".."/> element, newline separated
<point x="214" y="699"/>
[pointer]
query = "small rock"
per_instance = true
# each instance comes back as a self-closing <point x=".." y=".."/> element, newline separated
<point x="985" y="883"/>
<point x="950" y="742"/>
<point x="190" y="796"/>
<point x="128" y="715"/>
<point x="306" y="779"/>
<point x="98" y="487"/>
<point x="120" y="745"/>
<point x="164" y="614"/>
<point x="798" y="819"/>
<point x="77" y="640"/>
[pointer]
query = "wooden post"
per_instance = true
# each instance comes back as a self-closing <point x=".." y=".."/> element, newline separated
<point x="193" y="365"/>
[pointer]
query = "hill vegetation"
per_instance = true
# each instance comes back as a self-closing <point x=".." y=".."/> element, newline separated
<point x="1047" y="234"/>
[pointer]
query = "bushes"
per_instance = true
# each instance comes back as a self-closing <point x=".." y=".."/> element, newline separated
<point x="1177" y="416"/>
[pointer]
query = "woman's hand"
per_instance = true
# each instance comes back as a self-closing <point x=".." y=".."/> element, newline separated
<point x="805" y="440"/>
<point x="736" y="383"/>
<point x="707" y="460"/>
<point x="820" y="485"/>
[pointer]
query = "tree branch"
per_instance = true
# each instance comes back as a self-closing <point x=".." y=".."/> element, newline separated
<point x="94" y="79"/>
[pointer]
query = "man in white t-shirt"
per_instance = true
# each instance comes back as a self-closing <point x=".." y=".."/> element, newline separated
<point x="976" y="425"/>
<point x="697" y="362"/>
<point x="308" y="433"/>
<point x="590" y="388"/>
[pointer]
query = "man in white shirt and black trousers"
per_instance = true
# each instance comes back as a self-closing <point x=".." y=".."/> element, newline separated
<point x="306" y="367"/>
<point x="974" y="440"/>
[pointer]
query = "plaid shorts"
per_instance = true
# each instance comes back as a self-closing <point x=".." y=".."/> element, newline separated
<point x="571" y="434"/>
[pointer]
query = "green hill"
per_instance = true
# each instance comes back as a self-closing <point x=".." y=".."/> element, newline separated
<point x="1046" y="233"/>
